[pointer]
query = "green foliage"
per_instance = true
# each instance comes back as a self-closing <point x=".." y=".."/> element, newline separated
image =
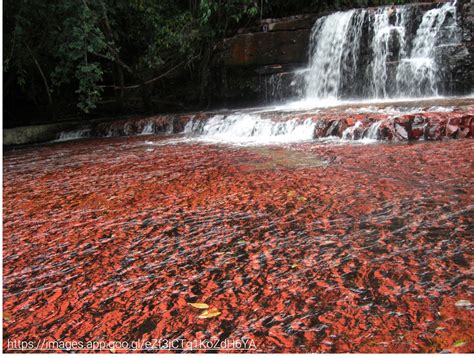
<point x="277" y="8"/>
<point x="216" y="17"/>
<point x="79" y="43"/>
<point x="83" y="44"/>
<point x="89" y="92"/>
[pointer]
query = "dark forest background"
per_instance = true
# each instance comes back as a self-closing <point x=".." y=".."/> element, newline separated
<point x="92" y="58"/>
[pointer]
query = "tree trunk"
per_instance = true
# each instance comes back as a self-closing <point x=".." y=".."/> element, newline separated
<point x="120" y="92"/>
<point x="146" y="98"/>
<point x="204" y="92"/>
<point x="51" y="108"/>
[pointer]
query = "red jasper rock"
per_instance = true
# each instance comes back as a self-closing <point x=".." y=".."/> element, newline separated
<point x="328" y="122"/>
<point x="418" y="127"/>
<point x="451" y="130"/>
<point x="350" y="121"/>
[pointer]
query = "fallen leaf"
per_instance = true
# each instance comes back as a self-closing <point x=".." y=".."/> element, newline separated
<point x="459" y="343"/>
<point x="7" y="316"/>
<point x="199" y="305"/>
<point x="213" y="312"/>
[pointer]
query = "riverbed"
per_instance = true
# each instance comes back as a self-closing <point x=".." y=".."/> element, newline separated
<point x="304" y="247"/>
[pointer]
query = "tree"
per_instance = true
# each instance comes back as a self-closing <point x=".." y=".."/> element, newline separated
<point x="90" y="46"/>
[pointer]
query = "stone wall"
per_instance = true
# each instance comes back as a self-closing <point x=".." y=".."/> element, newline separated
<point x="248" y="62"/>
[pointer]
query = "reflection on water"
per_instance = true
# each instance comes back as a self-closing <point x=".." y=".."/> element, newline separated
<point x="306" y="247"/>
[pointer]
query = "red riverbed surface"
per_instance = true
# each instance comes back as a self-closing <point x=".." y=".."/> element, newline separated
<point x="302" y="248"/>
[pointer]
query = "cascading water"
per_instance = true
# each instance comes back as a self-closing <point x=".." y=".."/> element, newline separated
<point x="251" y="128"/>
<point x="330" y="45"/>
<point x="374" y="54"/>
<point x="419" y="74"/>
<point x="281" y="86"/>
<point x="384" y="36"/>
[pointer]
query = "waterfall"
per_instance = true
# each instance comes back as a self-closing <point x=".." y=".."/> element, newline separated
<point x="386" y="39"/>
<point x="376" y="53"/>
<point x="419" y="74"/>
<point x="371" y="54"/>
<point x="329" y="44"/>
<point x="280" y="86"/>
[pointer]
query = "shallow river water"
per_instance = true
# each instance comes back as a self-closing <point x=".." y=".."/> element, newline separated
<point x="307" y="247"/>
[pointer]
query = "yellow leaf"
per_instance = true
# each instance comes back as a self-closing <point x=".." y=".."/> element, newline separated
<point x="213" y="312"/>
<point x="200" y="305"/>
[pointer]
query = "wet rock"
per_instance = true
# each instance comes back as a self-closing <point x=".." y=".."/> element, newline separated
<point x="335" y="268"/>
<point x="418" y="127"/>
<point x="320" y="128"/>
<point x="435" y="130"/>
<point x="451" y="130"/>
<point x="333" y="128"/>
<point x="385" y="131"/>
<point x="400" y="132"/>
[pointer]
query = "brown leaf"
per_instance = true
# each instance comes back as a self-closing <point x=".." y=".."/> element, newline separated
<point x="7" y="316"/>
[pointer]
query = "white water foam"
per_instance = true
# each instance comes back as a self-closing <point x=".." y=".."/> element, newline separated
<point x="148" y="129"/>
<point x="250" y="129"/>
<point x="74" y="134"/>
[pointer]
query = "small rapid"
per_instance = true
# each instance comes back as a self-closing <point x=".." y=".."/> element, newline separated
<point x="366" y="122"/>
<point x="250" y="128"/>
